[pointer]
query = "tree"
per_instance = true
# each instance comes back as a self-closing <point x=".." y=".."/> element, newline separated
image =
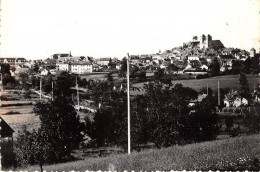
<point x="229" y="121"/>
<point x="31" y="148"/>
<point x="159" y="73"/>
<point x="172" y="67"/>
<point x="140" y="130"/>
<point x="246" y="66"/>
<point x="194" y="38"/>
<point x="236" y="67"/>
<point x="168" y="111"/>
<point x="215" y="67"/>
<point x="244" y="87"/>
<point x="47" y="83"/>
<point x="123" y="69"/>
<point x="7" y="78"/>
<point x="63" y="84"/>
<point x="255" y="67"/>
<point x="251" y="121"/>
<point x="23" y="79"/>
<point x="36" y="67"/>
<point x="60" y="128"/>
<point x="109" y="77"/>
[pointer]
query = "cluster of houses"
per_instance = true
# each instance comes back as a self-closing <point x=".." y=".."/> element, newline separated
<point x="193" y="57"/>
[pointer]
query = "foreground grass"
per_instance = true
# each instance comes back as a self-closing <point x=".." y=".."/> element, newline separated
<point x="229" y="154"/>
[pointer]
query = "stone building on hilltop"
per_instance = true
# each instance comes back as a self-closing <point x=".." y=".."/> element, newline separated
<point x="207" y="42"/>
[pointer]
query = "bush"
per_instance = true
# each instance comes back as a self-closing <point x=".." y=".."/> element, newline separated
<point x="235" y="132"/>
<point x="237" y="111"/>
<point x="230" y="110"/>
<point x="9" y="160"/>
<point x="12" y="112"/>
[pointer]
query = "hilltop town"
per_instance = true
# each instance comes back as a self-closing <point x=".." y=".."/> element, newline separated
<point x="192" y="57"/>
<point x="199" y="91"/>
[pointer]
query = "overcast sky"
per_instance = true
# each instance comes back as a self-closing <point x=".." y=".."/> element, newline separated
<point x="111" y="28"/>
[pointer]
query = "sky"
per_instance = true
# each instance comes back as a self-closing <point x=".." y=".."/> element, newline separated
<point x="37" y="29"/>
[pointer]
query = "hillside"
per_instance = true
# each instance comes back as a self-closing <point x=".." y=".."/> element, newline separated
<point x="229" y="154"/>
<point x="230" y="81"/>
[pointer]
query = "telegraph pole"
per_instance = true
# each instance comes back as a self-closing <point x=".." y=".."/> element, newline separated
<point x="52" y="90"/>
<point x="41" y="88"/>
<point x="2" y="88"/>
<point x="218" y="94"/>
<point x="77" y="92"/>
<point x="128" y="106"/>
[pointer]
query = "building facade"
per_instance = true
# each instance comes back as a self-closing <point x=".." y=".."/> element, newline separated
<point x="81" y="67"/>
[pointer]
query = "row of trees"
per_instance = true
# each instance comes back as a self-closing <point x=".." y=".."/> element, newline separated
<point x="249" y="66"/>
<point x="161" y="116"/>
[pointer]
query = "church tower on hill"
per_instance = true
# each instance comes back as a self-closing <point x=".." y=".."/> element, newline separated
<point x="207" y="42"/>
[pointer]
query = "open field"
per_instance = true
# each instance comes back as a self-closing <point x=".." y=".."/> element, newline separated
<point x="97" y="76"/>
<point x="215" y="155"/>
<point x="16" y="122"/>
<point x="230" y="81"/>
<point x="21" y="115"/>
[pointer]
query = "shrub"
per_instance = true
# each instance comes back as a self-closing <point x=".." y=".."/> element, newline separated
<point x="237" y="111"/>
<point x="12" y="112"/>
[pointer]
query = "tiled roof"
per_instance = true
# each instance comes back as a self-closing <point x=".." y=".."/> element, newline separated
<point x="105" y="59"/>
<point x="81" y="63"/>
<point x="6" y="130"/>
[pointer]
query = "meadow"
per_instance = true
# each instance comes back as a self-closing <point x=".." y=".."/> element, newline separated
<point x="227" y="81"/>
<point x="228" y="154"/>
<point x="17" y="112"/>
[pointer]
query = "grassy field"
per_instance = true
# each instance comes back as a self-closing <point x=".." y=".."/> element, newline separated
<point x="227" y="154"/>
<point x="20" y="115"/>
<point x="97" y="76"/>
<point x="230" y="81"/>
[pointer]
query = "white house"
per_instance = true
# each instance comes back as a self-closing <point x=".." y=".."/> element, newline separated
<point x="104" y="61"/>
<point x="63" y="66"/>
<point x="236" y="102"/>
<point x="157" y="57"/>
<point x="45" y="72"/>
<point x="81" y="67"/>
<point x="193" y="58"/>
<point x="205" y="67"/>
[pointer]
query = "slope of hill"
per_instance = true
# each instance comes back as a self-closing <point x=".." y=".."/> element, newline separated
<point x="230" y="81"/>
<point x="241" y="153"/>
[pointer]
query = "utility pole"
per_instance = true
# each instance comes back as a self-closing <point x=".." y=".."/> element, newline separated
<point x="52" y="90"/>
<point x="77" y="92"/>
<point x="218" y="94"/>
<point x="41" y="88"/>
<point x="2" y="88"/>
<point x="128" y="106"/>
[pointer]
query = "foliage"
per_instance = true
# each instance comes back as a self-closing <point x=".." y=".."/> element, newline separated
<point x="215" y="67"/>
<point x="123" y="69"/>
<point x="246" y="66"/>
<point x="60" y="132"/>
<point x="109" y="77"/>
<point x="251" y="121"/>
<point x="236" y="66"/>
<point x="60" y="126"/>
<point x="47" y="83"/>
<point x="255" y="67"/>
<point x="159" y="74"/>
<point x="168" y="111"/>
<point x="229" y="121"/>
<point x="244" y="87"/>
<point x="63" y="84"/>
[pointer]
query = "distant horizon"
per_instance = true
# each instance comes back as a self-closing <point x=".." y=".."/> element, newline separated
<point x="39" y="29"/>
